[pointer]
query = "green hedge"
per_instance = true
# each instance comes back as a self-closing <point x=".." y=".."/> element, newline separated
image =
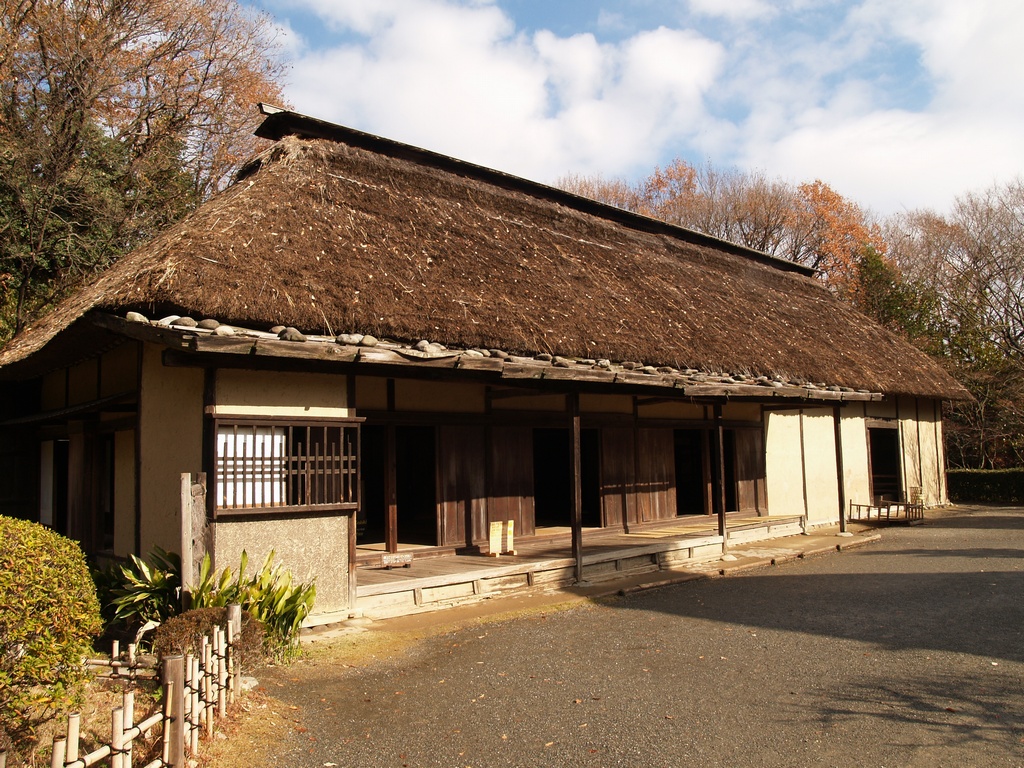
<point x="986" y="486"/>
<point x="48" y="616"/>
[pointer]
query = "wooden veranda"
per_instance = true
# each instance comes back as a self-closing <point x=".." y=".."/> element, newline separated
<point x="548" y="562"/>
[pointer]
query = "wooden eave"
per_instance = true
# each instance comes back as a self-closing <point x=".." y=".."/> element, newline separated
<point x="194" y="347"/>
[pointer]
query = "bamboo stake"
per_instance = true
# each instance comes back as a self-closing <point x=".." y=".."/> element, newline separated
<point x="208" y="687"/>
<point x="128" y="703"/>
<point x="222" y="673"/>
<point x="74" y="737"/>
<point x="59" y="752"/>
<point x="117" y="738"/>
<point x="233" y="687"/>
<point x="196" y="716"/>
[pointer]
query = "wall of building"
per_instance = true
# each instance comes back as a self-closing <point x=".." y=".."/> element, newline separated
<point x="820" y="466"/>
<point x="856" y="475"/>
<point x="170" y="443"/>
<point x="784" y="463"/>
<point x="801" y="460"/>
<point x="274" y="393"/>
<point x="311" y="548"/>
<point x="124" y="492"/>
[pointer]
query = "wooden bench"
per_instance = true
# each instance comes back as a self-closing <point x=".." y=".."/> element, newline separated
<point x="889" y="511"/>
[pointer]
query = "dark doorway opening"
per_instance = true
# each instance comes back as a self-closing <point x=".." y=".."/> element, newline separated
<point x="60" y="486"/>
<point x="884" y="445"/>
<point x="373" y="506"/>
<point x="689" y="459"/>
<point x="416" y="484"/>
<point x="553" y="477"/>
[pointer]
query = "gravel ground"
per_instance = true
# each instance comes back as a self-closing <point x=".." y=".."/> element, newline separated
<point x="909" y="652"/>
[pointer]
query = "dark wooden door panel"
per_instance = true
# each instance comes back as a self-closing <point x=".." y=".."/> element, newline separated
<point x="656" y="485"/>
<point x="510" y="496"/>
<point x="461" y="482"/>
<point x="618" y="476"/>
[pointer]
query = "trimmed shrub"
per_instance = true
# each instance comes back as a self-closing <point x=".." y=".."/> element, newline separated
<point x="48" y="616"/>
<point x="184" y="634"/>
<point x="986" y="486"/>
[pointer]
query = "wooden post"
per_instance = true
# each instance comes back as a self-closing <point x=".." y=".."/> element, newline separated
<point x="187" y="577"/>
<point x="390" y="489"/>
<point x="234" y="618"/>
<point x="837" y="423"/>
<point x="169" y="694"/>
<point x="174" y="726"/>
<point x="719" y="448"/>
<point x="577" y="488"/>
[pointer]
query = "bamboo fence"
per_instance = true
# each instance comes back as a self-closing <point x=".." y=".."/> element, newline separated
<point x="196" y="690"/>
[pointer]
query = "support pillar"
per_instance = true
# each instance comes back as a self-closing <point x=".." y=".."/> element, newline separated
<point x="577" y="489"/>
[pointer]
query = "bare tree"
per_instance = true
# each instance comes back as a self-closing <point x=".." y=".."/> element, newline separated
<point x="116" y="116"/>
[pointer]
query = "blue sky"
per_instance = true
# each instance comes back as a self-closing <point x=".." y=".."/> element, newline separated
<point x="897" y="104"/>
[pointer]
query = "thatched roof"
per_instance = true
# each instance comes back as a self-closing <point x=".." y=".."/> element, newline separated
<point x="372" y="237"/>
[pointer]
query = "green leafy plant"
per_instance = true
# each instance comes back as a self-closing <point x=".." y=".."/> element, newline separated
<point x="48" y="616"/>
<point x="150" y="590"/>
<point x="270" y="595"/>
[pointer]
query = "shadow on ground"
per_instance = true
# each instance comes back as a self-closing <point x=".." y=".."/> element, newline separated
<point x="974" y="613"/>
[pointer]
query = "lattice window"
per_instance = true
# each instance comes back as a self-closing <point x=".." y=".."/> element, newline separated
<point x="265" y="466"/>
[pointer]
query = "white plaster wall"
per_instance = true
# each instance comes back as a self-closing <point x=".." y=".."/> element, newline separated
<point x="910" y="437"/>
<point x="932" y="469"/>
<point x="856" y="472"/>
<point x="171" y="442"/>
<point x="940" y="451"/>
<point x="270" y="393"/>
<point x="741" y="412"/>
<point x="820" y="463"/>
<point x="783" y="463"/>
<point x="881" y="410"/>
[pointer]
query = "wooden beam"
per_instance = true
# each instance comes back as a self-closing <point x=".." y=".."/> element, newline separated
<point x="719" y="448"/>
<point x="577" y="489"/>
<point x="803" y="469"/>
<point x="391" y="491"/>
<point x="841" y="479"/>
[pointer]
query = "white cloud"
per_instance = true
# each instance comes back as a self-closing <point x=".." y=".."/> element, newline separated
<point x="893" y="104"/>
<point x="734" y="10"/>
<point x="964" y="134"/>
<point x="461" y="80"/>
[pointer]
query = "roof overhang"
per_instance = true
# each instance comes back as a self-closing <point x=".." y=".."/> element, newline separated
<point x="255" y="349"/>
